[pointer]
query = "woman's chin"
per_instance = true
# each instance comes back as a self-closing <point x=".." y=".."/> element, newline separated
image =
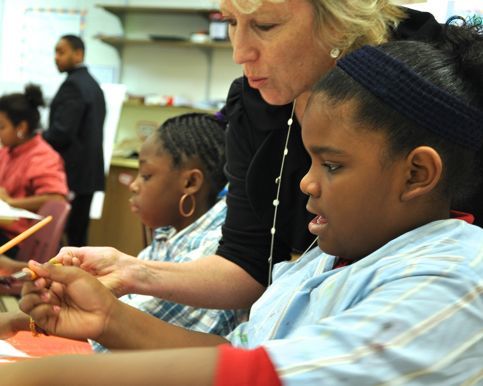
<point x="274" y="98"/>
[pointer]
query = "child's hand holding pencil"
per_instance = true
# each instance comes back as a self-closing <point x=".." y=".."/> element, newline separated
<point x="67" y="301"/>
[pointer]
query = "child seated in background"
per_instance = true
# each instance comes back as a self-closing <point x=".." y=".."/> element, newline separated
<point x="180" y="176"/>
<point x="394" y="298"/>
<point x="31" y="171"/>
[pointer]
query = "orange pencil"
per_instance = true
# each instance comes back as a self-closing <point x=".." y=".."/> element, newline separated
<point x="26" y="233"/>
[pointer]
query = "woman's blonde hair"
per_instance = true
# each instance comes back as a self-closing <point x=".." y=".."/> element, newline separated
<point x="356" y="23"/>
<point x="249" y="6"/>
<point x="346" y="24"/>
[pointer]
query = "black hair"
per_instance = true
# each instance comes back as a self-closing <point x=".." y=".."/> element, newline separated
<point x="75" y="42"/>
<point x="23" y="107"/>
<point x="454" y="64"/>
<point x="197" y="136"/>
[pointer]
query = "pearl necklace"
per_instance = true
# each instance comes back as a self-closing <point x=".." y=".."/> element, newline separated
<point x="276" y="201"/>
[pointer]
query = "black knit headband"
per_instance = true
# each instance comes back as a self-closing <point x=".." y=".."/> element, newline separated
<point x="414" y="97"/>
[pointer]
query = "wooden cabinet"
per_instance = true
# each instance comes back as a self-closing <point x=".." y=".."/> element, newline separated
<point x="118" y="226"/>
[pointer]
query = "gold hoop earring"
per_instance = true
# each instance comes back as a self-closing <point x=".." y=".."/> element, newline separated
<point x="334" y="53"/>
<point x="181" y="205"/>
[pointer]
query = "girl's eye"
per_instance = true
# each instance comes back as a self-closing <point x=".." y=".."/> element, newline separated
<point x="145" y="177"/>
<point x="331" y="168"/>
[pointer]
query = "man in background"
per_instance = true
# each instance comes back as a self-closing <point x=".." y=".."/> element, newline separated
<point x="75" y="130"/>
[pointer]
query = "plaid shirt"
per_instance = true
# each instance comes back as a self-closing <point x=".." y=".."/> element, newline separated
<point x="197" y="240"/>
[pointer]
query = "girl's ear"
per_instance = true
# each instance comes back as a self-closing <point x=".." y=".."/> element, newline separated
<point x="423" y="172"/>
<point x="193" y="181"/>
<point x="23" y="129"/>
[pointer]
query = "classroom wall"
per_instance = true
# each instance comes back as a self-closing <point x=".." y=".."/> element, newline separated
<point x="194" y="73"/>
<point x="174" y="70"/>
<point x="144" y="69"/>
<point x="442" y="9"/>
<point x="27" y="54"/>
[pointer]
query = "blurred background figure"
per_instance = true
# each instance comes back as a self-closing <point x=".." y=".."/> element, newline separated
<point x="75" y="130"/>
<point x="31" y="172"/>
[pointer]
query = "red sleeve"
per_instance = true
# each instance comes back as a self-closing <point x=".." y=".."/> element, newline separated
<point x="468" y="217"/>
<point x="239" y="367"/>
<point x="46" y="174"/>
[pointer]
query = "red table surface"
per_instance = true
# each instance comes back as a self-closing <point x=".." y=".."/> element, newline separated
<point x="41" y="345"/>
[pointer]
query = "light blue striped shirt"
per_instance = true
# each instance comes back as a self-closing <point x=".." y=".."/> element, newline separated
<point x="411" y="313"/>
<point x="196" y="240"/>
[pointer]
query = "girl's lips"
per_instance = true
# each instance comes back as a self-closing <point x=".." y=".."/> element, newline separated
<point x="317" y="224"/>
<point x="134" y="207"/>
<point x="319" y="220"/>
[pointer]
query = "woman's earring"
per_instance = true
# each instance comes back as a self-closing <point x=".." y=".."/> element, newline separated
<point x="334" y="53"/>
<point x="19" y="135"/>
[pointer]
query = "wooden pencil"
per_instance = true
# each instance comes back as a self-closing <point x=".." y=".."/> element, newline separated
<point x="26" y="233"/>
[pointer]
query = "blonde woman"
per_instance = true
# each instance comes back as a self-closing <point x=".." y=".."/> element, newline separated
<point x="284" y="47"/>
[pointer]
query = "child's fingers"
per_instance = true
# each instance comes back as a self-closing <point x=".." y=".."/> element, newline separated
<point x="57" y="290"/>
<point x="32" y="287"/>
<point x="43" y="311"/>
<point x="55" y="272"/>
<point x="30" y="300"/>
<point x="37" y="268"/>
<point x="41" y="283"/>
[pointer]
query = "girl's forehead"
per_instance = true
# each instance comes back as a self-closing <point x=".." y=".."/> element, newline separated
<point x="152" y="146"/>
<point x="329" y="109"/>
<point x="335" y="129"/>
<point x="328" y="117"/>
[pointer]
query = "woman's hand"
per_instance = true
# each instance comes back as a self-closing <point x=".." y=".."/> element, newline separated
<point x="66" y="301"/>
<point x="107" y="264"/>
